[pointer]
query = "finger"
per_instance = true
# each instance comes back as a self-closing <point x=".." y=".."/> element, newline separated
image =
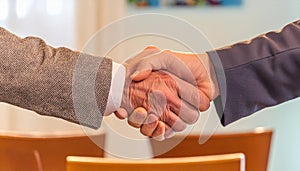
<point x="161" y="103"/>
<point x="191" y="94"/>
<point x="169" y="133"/>
<point x="152" y="47"/>
<point x="137" y="118"/>
<point x="141" y="75"/>
<point x="159" y="107"/>
<point x="159" y="131"/>
<point x="186" y="112"/>
<point x="163" y="61"/>
<point x="121" y="113"/>
<point x="144" y="53"/>
<point x="172" y="120"/>
<point x="149" y="50"/>
<point x="149" y="125"/>
<point x="169" y="97"/>
<point x="204" y="101"/>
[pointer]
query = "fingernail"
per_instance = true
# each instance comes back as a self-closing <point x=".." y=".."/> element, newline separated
<point x="159" y="138"/>
<point x="169" y="134"/>
<point x="151" y="119"/>
<point x="134" y="74"/>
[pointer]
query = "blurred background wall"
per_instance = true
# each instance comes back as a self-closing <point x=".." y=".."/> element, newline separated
<point x="71" y="23"/>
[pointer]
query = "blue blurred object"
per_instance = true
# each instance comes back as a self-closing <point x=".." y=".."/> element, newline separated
<point x="153" y="3"/>
<point x="232" y="2"/>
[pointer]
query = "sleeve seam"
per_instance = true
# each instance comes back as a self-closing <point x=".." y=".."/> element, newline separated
<point x="264" y="58"/>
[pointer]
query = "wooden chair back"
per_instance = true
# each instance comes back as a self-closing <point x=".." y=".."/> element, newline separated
<point x="254" y="144"/>
<point x="41" y="152"/>
<point x="227" y="162"/>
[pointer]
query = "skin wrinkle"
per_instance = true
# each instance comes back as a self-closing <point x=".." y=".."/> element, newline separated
<point x="160" y="82"/>
<point x="180" y="104"/>
<point x="200" y="74"/>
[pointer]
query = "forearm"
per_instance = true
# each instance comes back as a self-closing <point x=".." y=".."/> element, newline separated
<point x="38" y="77"/>
<point x="259" y="73"/>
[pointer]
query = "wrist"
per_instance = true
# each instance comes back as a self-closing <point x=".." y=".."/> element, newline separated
<point x="212" y="76"/>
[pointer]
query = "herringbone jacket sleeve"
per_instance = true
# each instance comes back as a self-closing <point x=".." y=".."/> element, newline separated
<point x="38" y="77"/>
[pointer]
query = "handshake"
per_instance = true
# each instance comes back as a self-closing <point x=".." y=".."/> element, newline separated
<point x="165" y="90"/>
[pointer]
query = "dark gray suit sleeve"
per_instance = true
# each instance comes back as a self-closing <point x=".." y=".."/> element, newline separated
<point x="38" y="77"/>
<point x="259" y="73"/>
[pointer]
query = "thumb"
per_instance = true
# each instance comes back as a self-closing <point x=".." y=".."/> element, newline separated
<point x="141" y="75"/>
<point x="121" y="113"/>
<point x="147" y="65"/>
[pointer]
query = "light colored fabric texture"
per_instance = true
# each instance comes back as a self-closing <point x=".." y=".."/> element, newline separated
<point x="39" y="77"/>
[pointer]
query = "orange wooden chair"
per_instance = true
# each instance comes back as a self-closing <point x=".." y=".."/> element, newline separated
<point x="45" y="152"/>
<point x="255" y="145"/>
<point x="226" y="162"/>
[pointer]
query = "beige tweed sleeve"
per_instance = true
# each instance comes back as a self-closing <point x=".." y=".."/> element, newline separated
<point x="39" y="77"/>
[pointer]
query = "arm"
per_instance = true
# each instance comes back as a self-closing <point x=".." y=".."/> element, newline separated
<point x="38" y="77"/>
<point x="80" y="88"/>
<point x="259" y="73"/>
<point x="249" y="76"/>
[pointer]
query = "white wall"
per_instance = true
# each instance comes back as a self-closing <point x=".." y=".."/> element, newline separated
<point x="67" y="23"/>
<point x="53" y="21"/>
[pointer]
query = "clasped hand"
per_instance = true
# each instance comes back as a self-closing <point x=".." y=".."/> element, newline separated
<point x="164" y="91"/>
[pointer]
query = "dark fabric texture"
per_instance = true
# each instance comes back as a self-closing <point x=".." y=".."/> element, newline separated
<point x="262" y="72"/>
<point x="38" y="77"/>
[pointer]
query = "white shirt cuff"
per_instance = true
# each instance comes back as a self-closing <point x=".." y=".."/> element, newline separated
<point x="116" y="88"/>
